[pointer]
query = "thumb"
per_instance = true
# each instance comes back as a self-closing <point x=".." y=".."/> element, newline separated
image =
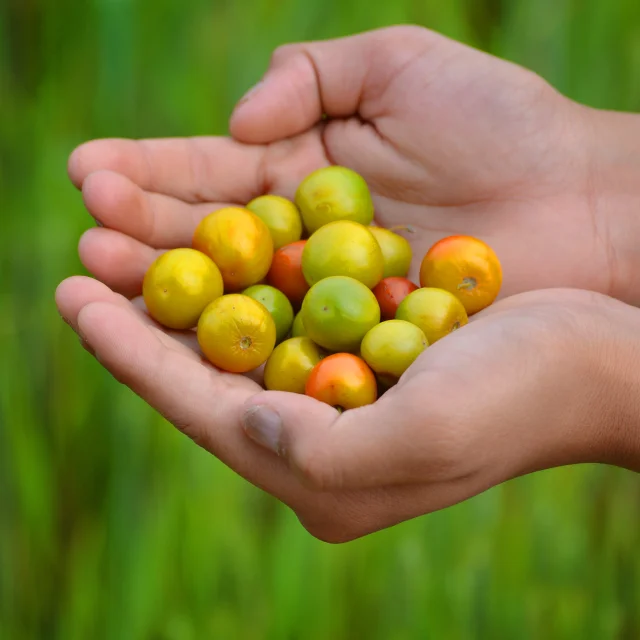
<point x="333" y="77"/>
<point x="375" y="445"/>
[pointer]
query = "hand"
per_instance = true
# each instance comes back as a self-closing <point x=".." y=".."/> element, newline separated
<point x="149" y="196"/>
<point x="450" y="140"/>
<point x="541" y="379"/>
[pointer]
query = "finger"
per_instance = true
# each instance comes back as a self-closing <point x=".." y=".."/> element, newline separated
<point x="340" y="78"/>
<point x="202" y="402"/>
<point x="163" y="221"/>
<point x="75" y="293"/>
<point x="116" y="259"/>
<point x="393" y="441"/>
<point x="157" y="220"/>
<point x="202" y="169"/>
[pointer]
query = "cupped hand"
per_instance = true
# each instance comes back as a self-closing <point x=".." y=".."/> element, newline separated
<point x="528" y="384"/>
<point x="450" y="140"/>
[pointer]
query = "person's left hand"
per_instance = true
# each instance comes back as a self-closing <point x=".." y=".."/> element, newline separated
<point x="538" y="380"/>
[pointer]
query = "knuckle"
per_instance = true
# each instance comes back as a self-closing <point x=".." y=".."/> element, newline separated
<point x="315" y="467"/>
<point x="283" y="52"/>
<point x="404" y="32"/>
<point x="411" y="37"/>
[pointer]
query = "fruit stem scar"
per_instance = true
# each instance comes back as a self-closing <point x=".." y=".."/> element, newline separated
<point x="339" y="409"/>
<point x="245" y="343"/>
<point x="456" y="325"/>
<point x="468" y="283"/>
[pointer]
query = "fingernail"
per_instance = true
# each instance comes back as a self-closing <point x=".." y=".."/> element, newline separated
<point x="263" y="425"/>
<point x="247" y="96"/>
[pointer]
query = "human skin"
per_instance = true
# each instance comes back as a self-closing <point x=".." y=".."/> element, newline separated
<point x="451" y="141"/>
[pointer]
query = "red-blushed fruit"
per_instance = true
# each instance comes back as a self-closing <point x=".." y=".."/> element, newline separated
<point x="390" y="292"/>
<point x="343" y="381"/>
<point x="465" y="266"/>
<point x="286" y="272"/>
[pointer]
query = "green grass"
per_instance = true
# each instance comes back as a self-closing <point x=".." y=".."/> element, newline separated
<point x="114" y="526"/>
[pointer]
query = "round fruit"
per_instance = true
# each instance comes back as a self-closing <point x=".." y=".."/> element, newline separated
<point x="396" y="252"/>
<point x="298" y="330"/>
<point x="290" y="364"/>
<point x="465" y="266"/>
<point x="337" y="313"/>
<point x="239" y="243"/>
<point x="179" y="285"/>
<point x="391" y="347"/>
<point x="343" y="248"/>
<point x="436" y="311"/>
<point x="286" y="272"/>
<point x="277" y="305"/>
<point x="334" y="193"/>
<point x="390" y="292"/>
<point x="344" y="381"/>
<point x="236" y="333"/>
<point x="281" y="216"/>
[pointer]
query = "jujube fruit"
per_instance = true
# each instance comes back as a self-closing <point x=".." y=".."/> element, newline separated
<point x="179" y="285"/>
<point x="436" y="311"/>
<point x="277" y="305"/>
<point x="343" y="248"/>
<point x="343" y="381"/>
<point x="390" y="292"/>
<point x="337" y="313"/>
<point x="239" y="243"/>
<point x="281" y="217"/>
<point x="396" y="252"/>
<point x="391" y="347"/>
<point x="290" y="365"/>
<point x="333" y="193"/>
<point x="236" y="333"/>
<point x="465" y="266"/>
<point x="286" y="272"/>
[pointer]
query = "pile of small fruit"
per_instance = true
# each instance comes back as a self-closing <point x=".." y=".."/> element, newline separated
<point x="360" y="322"/>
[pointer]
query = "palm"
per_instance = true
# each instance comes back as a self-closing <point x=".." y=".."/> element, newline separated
<point x="207" y="405"/>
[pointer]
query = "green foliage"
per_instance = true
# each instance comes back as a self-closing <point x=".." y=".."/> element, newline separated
<point x="114" y="526"/>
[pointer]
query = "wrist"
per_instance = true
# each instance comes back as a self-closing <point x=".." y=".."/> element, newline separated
<point x="616" y="389"/>
<point x="614" y="194"/>
<point x="590" y="390"/>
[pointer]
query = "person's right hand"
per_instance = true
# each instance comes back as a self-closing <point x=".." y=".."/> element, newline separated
<point x="451" y="140"/>
<point x="541" y="379"/>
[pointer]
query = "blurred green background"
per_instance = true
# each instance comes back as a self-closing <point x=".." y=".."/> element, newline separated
<point x="114" y="526"/>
